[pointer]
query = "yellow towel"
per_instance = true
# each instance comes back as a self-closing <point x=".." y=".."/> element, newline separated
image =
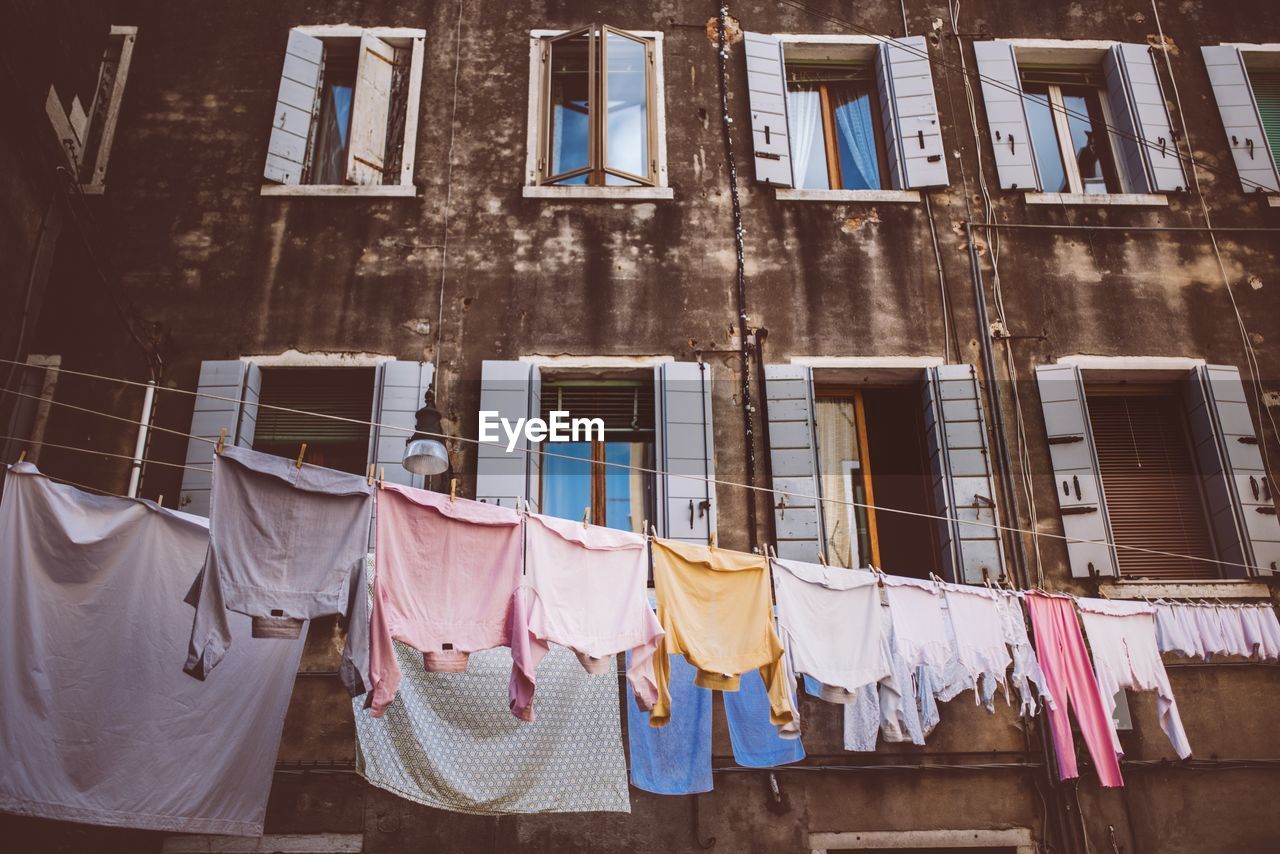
<point x="716" y="607"/>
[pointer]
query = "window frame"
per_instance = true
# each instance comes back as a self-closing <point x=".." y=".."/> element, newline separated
<point x="535" y="185"/>
<point x="398" y="37"/>
<point x="831" y="146"/>
<point x="1062" y="132"/>
<point x="1260" y="57"/>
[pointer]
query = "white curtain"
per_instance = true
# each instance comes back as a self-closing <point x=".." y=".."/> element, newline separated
<point x="805" y="108"/>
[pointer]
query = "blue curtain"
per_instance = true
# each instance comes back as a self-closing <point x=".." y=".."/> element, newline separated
<point x="859" y="168"/>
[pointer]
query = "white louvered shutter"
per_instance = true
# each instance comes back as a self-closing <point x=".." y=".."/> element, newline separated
<point x="793" y="460"/>
<point x="1241" y="119"/>
<point x="767" y="91"/>
<point x="963" y="487"/>
<point x="1006" y="116"/>
<point x="510" y="390"/>
<point x="912" y="131"/>
<point x="397" y="397"/>
<point x="297" y="103"/>
<point x="1146" y="143"/>
<point x="1077" y="479"/>
<point x="370" y="108"/>
<point x="228" y="392"/>
<point x="1240" y="496"/>
<point x="685" y="451"/>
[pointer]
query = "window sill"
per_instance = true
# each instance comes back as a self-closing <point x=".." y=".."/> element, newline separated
<point x="1212" y="588"/>
<point x="357" y="190"/>
<point x="616" y="194"/>
<point x="789" y="195"/>
<point x="1151" y="200"/>
<point x="1273" y="200"/>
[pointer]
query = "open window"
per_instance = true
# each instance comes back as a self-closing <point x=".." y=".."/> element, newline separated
<point x="345" y="119"/>
<point x="596" y="111"/>
<point x="883" y="468"/>
<point x="1246" y="85"/>
<point x="1159" y="473"/>
<point x="609" y="474"/>
<point x="341" y="392"/>
<point x="837" y="115"/>
<point x="1078" y="119"/>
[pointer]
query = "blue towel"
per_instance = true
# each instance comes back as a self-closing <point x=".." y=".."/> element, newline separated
<point x="674" y="759"/>
<point x="812" y="686"/>
<point x="756" y="743"/>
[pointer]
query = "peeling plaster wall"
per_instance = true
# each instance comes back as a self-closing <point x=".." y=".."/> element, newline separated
<point x="220" y="271"/>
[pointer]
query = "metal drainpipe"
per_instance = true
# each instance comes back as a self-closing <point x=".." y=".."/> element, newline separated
<point x="744" y="357"/>
<point x="1066" y="835"/>
<point x="140" y="447"/>
<point x="761" y="334"/>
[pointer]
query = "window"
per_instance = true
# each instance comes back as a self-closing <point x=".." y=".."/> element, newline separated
<point x="621" y="498"/>
<point x="1068" y="119"/>
<point x="345" y="392"/>
<point x="1266" y="91"/>
<point x="1153" y="491"/>
<point x="835" y="116"/>
<point x="86" y="135"/>
<point x="871" y="452"/>
<point x="834" y="120"/>
<point x="346" y="113"/>
<point x="596" y="117"/>
<point x="1082" y="122"/>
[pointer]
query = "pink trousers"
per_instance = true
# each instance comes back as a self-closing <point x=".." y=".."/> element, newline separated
<point x="1071" y="682"/>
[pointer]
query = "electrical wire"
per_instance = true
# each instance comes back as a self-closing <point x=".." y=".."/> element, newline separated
<point x="1013" y="90"/>
<point x="110" y="415"/>
<point x="643" y="470"/>
<point x="103" y="453"/>
<point x="448" y="191"/>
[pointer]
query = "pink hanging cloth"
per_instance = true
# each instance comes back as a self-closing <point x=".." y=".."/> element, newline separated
<point x="1070" y="677"/>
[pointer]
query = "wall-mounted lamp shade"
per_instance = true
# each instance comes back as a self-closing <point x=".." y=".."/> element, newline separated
<point x="425" y="457"/>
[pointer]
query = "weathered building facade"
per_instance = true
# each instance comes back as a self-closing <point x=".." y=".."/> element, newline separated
<point x="1123" y="286"/>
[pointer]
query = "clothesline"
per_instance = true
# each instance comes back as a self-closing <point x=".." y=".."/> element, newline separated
<point x="786" y="494"/>
<point x="101" y="453"/>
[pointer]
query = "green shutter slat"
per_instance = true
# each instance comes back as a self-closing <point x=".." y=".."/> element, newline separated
<point x="1266" y="89"/>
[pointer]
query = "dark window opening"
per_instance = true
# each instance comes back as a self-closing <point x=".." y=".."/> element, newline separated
<point x="1150" y="482"/>
<point x="601" y="475"/>
<point x="333" y="123"/>
<point x="345" y="392"/>
<point x="871" y="452"/>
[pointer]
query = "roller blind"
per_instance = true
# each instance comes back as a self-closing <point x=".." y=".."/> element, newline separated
<point x="1266" y="90"/>
<point x="1154" y="499"/>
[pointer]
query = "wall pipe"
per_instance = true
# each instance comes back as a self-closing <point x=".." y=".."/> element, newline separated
<point x="740" y="289"/>
<point x="144" y="434"/>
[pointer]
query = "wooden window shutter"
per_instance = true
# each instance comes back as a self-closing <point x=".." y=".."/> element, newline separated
<point x="767" y="93"/>
<point x="370" y="111"/>
<point x="234" y="387"/>
<point x="297" y="103"/>
<point x="1149" y="151"/>
<point x="913" y="134"/>
<point x="1077" y="481"/>
<point x="1240" y="497"/>
<point x="685" y="451"/>
<point x="511" y="389"/>
<point x="963" y="488"/>
<point x="1006" y="116"/>
<point x="1154" y="499"/>
<point x="793" y="459"/>
<point x="1241" y="119"/>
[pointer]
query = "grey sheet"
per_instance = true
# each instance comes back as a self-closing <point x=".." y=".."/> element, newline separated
<point x="98" y="723"/>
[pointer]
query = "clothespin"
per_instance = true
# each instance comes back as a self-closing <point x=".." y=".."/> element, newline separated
<point x="301" y="452"/>
<point x="712" y="544"/>
<point x="644" y="527"/>
<point x="453" y="489"/>
<point x="653" y="530"/>
<point x="222" y="438"/>
<point x="371" y="468"/>
<point x="586" y="517"/>
<point x="22" y="456"/>
<point x="822" y="559"/>
<point x="382" y="476"/>
<point x="773" y="553"/>
<point x="160" y="500"/>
